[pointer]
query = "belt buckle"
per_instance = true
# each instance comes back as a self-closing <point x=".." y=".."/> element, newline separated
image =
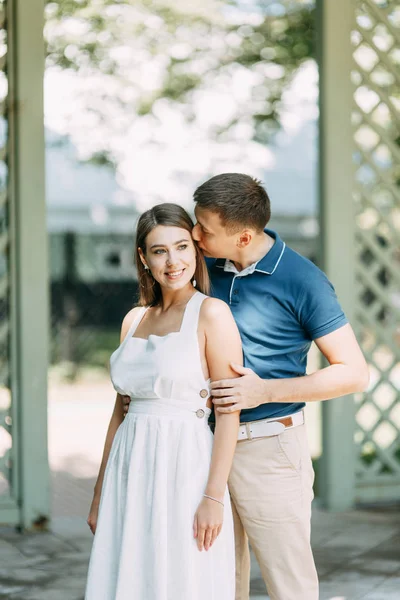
<point x="249" y="431"/>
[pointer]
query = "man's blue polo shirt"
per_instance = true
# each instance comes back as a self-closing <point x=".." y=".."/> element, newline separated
<point x="280" y="304"/>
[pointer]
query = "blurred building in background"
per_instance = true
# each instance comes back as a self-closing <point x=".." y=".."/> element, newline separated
<point x="91" y="224"/>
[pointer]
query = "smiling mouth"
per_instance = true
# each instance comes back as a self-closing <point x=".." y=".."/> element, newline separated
<point x="175" y="274"/>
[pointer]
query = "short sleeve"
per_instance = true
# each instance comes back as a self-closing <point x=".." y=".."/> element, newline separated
<point x="319" y="311"/>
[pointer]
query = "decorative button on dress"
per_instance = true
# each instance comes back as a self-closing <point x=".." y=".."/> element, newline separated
<point x="156" y="475"/>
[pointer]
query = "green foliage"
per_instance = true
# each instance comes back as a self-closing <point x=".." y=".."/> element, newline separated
<point x="166" y="49"/>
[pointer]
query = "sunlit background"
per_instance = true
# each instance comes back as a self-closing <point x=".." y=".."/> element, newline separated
<point x="143" y="102"/>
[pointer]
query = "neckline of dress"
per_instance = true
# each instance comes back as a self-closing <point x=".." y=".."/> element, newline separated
<point x="154" y="335"/>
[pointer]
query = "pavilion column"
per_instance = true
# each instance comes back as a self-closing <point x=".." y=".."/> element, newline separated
<point x="337" y="220"/>
<point x="29" y="276"/>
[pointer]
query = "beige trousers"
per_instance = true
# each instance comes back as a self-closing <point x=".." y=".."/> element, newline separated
<point x="271" y="489"/>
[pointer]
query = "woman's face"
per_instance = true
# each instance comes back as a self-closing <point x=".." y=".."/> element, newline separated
<point x="170" y="256"/>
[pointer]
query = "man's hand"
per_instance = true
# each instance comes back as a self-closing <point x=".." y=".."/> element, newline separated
<point x="247" y="391"/>
<point x="126" y="400"/>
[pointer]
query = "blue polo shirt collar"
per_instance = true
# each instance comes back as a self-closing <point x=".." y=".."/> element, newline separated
<point x="267" y="265"/>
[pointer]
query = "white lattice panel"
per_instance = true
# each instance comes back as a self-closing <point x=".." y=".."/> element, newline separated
<point x="376" y="76"/>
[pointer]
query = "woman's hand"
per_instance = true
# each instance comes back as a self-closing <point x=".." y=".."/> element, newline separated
<point x="208" y="523"/>
<point x="93" y="513"/>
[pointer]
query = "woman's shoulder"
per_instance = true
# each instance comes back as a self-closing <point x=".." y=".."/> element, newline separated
<point x="214" y="309"/>
<point x="217" y="322"/>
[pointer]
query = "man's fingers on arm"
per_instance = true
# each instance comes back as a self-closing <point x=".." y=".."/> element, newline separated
<point x="230" y="409"/>
<point x="223" y="383"/>
<point x="224" y="393"/>
<point x="223" y="401"/>
<point x="125" y="401"/>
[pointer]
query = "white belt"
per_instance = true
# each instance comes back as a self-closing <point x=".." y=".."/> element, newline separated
<point x="269" y="427"/>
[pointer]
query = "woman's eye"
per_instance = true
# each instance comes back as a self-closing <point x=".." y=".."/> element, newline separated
<point x="160" y="251"/>
<point x="182" y="247"/>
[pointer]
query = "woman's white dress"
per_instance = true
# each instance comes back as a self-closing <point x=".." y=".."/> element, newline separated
<point x="156" y="475"/>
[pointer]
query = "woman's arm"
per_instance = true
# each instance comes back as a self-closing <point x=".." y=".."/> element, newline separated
<point x="223" y="346"/>
<point x="116" y="419"/>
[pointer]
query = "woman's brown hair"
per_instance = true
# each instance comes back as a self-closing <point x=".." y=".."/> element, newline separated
<point x="169" y="215"/>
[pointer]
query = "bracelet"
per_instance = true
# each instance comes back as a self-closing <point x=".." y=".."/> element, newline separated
<point x="215" y="499"/>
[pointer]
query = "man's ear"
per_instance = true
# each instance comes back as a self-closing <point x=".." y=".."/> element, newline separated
<point x="244" y="238"/>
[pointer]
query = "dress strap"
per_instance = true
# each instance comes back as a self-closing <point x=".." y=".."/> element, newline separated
<point x="190" y="320"/>
<point x="135" y="322"/>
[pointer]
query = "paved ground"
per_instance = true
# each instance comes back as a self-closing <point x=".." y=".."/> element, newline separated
<point x="357" y="553"/>
<point x="357" y="556"/>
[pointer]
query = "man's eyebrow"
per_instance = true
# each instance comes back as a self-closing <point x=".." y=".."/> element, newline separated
<point x="163" y="245"/>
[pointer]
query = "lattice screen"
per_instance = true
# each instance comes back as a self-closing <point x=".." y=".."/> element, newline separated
<point x="376" y="75"/>
<point x="5" y="394"/>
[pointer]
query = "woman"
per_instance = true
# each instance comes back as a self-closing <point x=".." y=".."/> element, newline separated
<point x="163" y="526"/>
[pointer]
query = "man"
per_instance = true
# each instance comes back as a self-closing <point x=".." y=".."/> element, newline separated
<point x="281" y="303"/>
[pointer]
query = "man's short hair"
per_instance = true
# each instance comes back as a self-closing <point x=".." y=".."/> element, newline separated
<point x="239" y="200"/>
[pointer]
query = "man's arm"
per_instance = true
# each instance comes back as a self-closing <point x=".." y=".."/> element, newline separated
<point x="347" y="373"/>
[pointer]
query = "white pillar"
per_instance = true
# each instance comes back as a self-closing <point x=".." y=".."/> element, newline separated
<point x="30" y="271"/>
<point x="335" y="22"/>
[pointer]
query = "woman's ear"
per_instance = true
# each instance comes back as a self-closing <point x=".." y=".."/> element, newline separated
<point x="142" y="258"/>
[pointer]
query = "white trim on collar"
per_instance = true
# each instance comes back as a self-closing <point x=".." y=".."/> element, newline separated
<point x="276" y="264"/>
<point x="229" y="266"/>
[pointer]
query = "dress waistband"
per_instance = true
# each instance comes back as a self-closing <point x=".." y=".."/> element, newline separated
<point x="171" y="408"/>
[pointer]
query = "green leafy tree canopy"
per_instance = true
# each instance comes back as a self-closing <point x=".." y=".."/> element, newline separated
<point x="147" y="52"/>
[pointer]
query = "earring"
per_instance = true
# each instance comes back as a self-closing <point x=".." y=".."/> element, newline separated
<point x="150" y="274"/>
<point x="194" y="283"/>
